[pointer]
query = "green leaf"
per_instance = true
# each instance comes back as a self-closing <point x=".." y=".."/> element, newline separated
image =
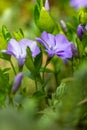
<point x="45" y="21"/>
<point x="6" y="33"/>
<point x="29" y="74"/>
<point x="40" y="3"/>
<point x="47" y="70"/>
<point x="19" y="35"/>
<point x="5" y="56"/>
<point x="61" y="90"/>
<point x="36" y="13"/>
<point x="39" y="95"/>
<point x="38" y="62"/>
<point x="4" y="84"/>
<point x="5" y="70"/>
<point x="29" y="62"/>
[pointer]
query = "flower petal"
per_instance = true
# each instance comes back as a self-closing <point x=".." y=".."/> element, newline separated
<point x="42" y="42"/>
<point x="78" y="3"/>
<point x="14" y="48"/>
<point x="61" y="42"/>
<point x="31" y="44"/>
<point x="48" y="38"/>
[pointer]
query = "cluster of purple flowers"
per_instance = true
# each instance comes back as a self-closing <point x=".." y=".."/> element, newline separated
<point x="54" y="45"/>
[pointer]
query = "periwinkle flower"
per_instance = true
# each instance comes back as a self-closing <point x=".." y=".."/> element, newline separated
<point x="78" y="3"/>
<point x="17" y="82"/>
<point x="80" y="31"/>
<point x="56" y="45"/>
<point x="18" y="49"/>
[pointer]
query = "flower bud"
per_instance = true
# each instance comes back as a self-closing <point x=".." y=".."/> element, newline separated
<point x="47" y="7"/>
<point x="80" y="31"/>
<point x="17" y="83"/>
<point x="63" y="25"/>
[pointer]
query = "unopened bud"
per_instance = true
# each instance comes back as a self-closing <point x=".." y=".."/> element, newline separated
<point x="80" y="31"/>
<point x="63" y="25"/>
<point x="17" y="83"/>
<point x="47" y="7"/>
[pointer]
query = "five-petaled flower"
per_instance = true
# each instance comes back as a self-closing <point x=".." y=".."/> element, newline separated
<point x="78" y="3"/>
<point x="18" y="49"/>
<point x="56" y="45"/>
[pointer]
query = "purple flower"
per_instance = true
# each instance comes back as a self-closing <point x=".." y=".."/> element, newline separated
<point x="78" y="3"/>
<point x="56" y="45"/>
<point x="17" y="83"/>
<point x="80" y="31"/>
<point x="18" y="49"/>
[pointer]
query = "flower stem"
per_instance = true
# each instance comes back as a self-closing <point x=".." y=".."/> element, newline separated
<point x="12" y="67"/>
<point x="20" y="68"/>
<point x="44" y="72"/>
<point x="72" y="65"/>
<point x="36" y="84"/>
<point x="47" y="62"/>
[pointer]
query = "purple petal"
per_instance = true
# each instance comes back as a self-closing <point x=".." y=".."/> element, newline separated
<point x="34" y="49"/>
<point x="31" y="44"/>
<point x="61" y="42"/>
<point x="21" y="60"/>
<point x="66" y="54"/>
<point x="48" y="38"/>
<point x="14" y="48"/>
<point x="51" y="53"/>
<point x="42" y="42"/>
<point x="78" y="3"/>
<point x="8" y="52"/>
<point x="80" y="31"/>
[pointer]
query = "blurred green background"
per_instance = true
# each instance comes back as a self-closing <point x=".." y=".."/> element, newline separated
<point x="17" y="14"/>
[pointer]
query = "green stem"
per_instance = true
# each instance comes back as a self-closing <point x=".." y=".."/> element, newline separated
<point x="36" y="84"/>
<point x="47" y="62"/>
<point x="20" y="68"/>
<point x="56" y="79"/>
<point x="11" y="99"/>
<point x="44" y="72"/>
<point x="78" y="51"/>
<point x="72" y="65"/>
<point x="12" y="67"/>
